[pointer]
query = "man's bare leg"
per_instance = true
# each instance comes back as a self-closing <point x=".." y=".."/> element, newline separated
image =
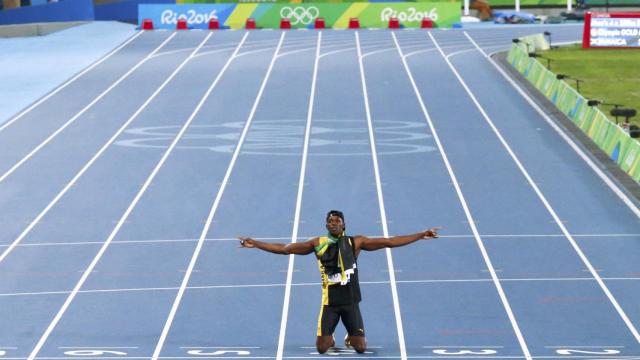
<point x="359" y="343"/>
<point x="324" y="343"/>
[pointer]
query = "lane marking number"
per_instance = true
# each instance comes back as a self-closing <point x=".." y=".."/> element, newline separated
<point x="94" y="352"/>
<point x="218" y="352"/>
<point x="574" y="351"/>
<point x="465" y="352"/>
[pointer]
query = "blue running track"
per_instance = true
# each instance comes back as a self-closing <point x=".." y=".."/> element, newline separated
<point x="123" y="193"/>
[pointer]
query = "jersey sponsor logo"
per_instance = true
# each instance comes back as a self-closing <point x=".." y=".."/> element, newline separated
<point x="337" y="278"/>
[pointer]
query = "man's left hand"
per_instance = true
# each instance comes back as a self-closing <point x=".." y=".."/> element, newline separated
<point x="431" y="233"/>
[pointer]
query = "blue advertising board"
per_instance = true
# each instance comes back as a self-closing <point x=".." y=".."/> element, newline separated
<point x="68" y="10"/>
<point x="197" y="15"/>
<point x="125" y="10"/>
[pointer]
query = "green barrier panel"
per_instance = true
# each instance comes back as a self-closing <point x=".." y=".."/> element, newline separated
<point x="630" y="156"/>
<point x="585" y="123"/>
<point x="628" y="144"/>
<point x="625" y="143"/>
<point x="370" y="15"/>
<point x="615" y="143"/>
<point x="533" y="72"/>
<point x="535" y="42"/>
<point x="539" y="73"/>
<point x="581" y="112"/>
<point x="612" y="139"/>
<point x="596" y="123"/>
<point x="553" y="91"/>
<point x="599" y="130"/>
<point x="634" y="171"/>
<point x="512" y="53"/>
<point x="519" y="59"/>
<point x="567" y="98"/>
<point x="572" y="101"/>
<point x="548" y="81"/>
<point x="521" y="63"/>
<point x="563" y="92"/>
<point x="603" y="137"/>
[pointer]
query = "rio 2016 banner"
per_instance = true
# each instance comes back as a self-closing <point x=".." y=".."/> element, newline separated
<point x="371" y="15"/>
<point x="166" y="16"/>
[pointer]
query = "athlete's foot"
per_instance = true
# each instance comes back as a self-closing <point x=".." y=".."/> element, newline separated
<point x="347" y="341"/>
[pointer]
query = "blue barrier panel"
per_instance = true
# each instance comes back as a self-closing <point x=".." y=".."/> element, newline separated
<point x="197" y="15"/>
<point x="124" y="10"/>
<point x="67" y="10"/>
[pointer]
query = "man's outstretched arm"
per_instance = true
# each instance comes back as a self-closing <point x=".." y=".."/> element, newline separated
<point x="301" y="248"/>
<point x="371" y="244"/>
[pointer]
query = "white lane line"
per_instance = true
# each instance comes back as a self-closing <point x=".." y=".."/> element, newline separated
<point x="335" y="52"/>
<point x="418" y="52"/>
<point x="87" y="107"/>
<point x="546" y="203"/>
<point x="296" y="218"/>
<point x="462" y="236"/>
<point x="255" y="51"/>
<point x="95" y="157"/>
<point x="210" y="52"/>
<point x="383" y="214"/>
<point x="467" y="211"/>
<point x="97" y="347"/>
<point x="562" y="134"/>
<point x="463" y="346"/>
<point x="377" y="52"/>
<point x="582" y="346"/>
<point x="214" y="207"/>
<point x="247" y="286"/>
<point x="221" y="347"/>
<point x="291" y="52"/>
<point x="37" y="103"/>
<point x="124" y="217"/>
<point x="456" y="53"/>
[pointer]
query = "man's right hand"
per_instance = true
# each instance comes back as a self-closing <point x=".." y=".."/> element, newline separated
<point x="246" y="242"/>
<point x="431" y="233"/>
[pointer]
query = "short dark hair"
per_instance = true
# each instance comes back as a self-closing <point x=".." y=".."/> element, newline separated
<point x="337" y="213"/>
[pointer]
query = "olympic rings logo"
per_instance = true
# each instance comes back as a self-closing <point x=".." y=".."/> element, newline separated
<point x="300" y="14"/>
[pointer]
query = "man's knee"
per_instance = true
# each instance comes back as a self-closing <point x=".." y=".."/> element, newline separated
<point x="358" y="343"/>
<point x="324" y="343"/>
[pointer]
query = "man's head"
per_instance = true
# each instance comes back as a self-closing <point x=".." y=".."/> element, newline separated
<point x="335" y="222"/>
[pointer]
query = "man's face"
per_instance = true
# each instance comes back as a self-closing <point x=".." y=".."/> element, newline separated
<point x="335" y="225"/>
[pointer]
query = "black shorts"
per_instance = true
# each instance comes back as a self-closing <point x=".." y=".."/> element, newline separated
<point x="331" y="314"/>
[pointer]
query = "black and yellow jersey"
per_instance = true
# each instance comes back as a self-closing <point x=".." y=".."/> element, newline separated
<point x="338" y="289"/>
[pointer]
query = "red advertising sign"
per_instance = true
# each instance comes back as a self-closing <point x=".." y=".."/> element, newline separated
<point x="611" y="30"/>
